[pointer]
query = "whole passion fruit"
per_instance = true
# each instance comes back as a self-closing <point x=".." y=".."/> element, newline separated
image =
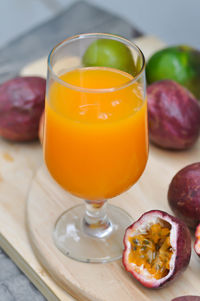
<point x="153" y="248"/>
<point x="197" y="240"/>
<point x="184" y="194"/>
<point x="173" y="114"/>
<point x="187" y="298"/>
<point x="21" y="105"/>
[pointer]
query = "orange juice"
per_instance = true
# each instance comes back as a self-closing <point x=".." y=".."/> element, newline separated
<point x="95" y="137"/>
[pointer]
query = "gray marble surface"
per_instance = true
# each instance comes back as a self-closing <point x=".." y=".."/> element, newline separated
<point x="80" y="17"/>
<point x="14" y="285"/>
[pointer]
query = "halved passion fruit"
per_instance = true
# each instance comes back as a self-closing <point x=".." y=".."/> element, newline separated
<point x="157" y="248"/>
<point x="197" y="240"/>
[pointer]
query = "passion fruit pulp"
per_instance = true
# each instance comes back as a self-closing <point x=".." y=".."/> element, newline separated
<point x="153" y="248"/>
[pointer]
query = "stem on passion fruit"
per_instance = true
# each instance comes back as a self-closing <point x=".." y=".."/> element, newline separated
<point x="96" y="223"/>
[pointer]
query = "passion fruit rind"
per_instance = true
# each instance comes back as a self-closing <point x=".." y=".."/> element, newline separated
<point x="187" y="298"/>
<point x="184" y="194"/>
<point x="197" y="241"/>
<point x="173" y="115"/>
<point x="21" y="105"/>
<point x="180" y="240"/>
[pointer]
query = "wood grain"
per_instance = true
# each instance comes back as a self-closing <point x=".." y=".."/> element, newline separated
<point x="104" y="282"/>
<point x="18" y="166"/>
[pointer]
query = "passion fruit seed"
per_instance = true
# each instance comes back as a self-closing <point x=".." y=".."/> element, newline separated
<point x="152" y="250"/>
<point x="154" y="245"/>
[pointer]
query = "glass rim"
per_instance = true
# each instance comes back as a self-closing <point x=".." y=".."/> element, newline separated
<point x="92" y="90"/>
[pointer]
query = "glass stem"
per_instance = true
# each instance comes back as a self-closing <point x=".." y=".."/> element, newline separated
<point x="96" y="222"/>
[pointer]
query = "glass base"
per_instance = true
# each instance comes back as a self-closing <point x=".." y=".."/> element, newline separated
<point x="71" y="240"/>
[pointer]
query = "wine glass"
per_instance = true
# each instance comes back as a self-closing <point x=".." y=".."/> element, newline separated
<point x="95" y="139"/>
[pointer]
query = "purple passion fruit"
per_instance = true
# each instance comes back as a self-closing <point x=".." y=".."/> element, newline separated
<point x="21" y="105"/>
<point x="174" y="115"/>
<point x="153" y="248"/>
<point x="184" y="194"/>
<point x="187" y="298"/>
<point x="197" y="240"/>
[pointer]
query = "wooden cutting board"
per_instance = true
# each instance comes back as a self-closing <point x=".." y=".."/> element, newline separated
<point x="21" y="176"/>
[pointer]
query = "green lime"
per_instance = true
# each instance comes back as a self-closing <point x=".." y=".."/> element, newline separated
<point x="109" y="53"/>
<point x="178" y="63"/>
